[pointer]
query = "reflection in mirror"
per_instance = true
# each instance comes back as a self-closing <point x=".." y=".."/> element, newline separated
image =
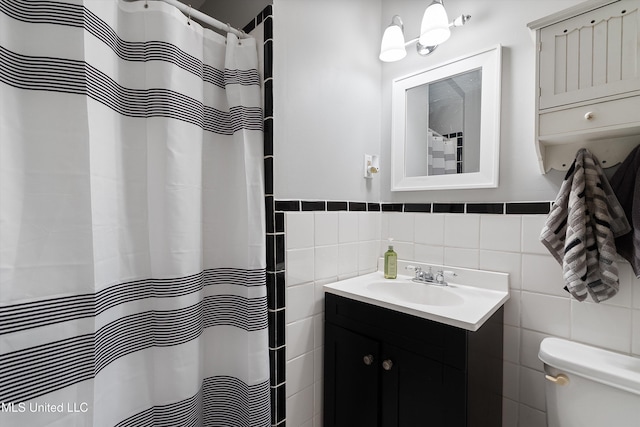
<point x="443" y="126"/>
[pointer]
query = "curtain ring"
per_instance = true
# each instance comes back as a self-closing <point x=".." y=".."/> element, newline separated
<point x="189" y="16"/>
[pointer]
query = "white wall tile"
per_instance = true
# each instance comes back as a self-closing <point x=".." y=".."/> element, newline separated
<point x="509" y="413"/>
<point x="347" y="258"/>
<point x="326" y="228"/>
<point x="368" y="256"/>
<point x="300" y="301"/>
<point x="505" y="262"/>
<point x="500" y="232"/>
<point x="318" y="399"/>
<point x="512" y="308"/>
<point x="532" y="385"/>
<point x="635" y="286"/>
<point x="601" y="325"/>
<point x="530" y="347"/>
<point x="348" y="276"/>
<point x="318" y="331"/>
<point x="546" y="313"/>
<point x="459" y="257"/>
<point x="511" y="344"/>
<point x="299" y="230"/>
<point x="462" y="231"/>
<point x="429" y="229"/>
<point x="299" y="373"/>
<point x="299" y="338"/>
<point x="384" y="225"/>
<point x="369" y="226"/>
<point x="347" y="227"/>
<point x="300" y="407"/>
<point x="530" y="417"/>
<point x="635" y="332"/>
<point x="543" y="274"/>
<point x="326" y="262"/>
<point x="428" y="254"/>
<point x="624" y="297"/>
<point x="318" y="360"/>
<point x="405" y="250"/>
<point x="319" y="294"/>
<point x="401" y="226"/>
<point x="531" y="228"/>
<point x="299" y="266"/>
<point x="511" y="380"/>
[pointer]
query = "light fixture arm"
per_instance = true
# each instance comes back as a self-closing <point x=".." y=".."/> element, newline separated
<point x="397" y="20"/>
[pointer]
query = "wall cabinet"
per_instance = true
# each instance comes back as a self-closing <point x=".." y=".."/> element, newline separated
<point x="588" y="81"/>
<point x="389" y="369"/>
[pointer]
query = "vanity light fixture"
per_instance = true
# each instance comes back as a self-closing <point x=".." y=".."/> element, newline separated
<point x="434" y="30"/>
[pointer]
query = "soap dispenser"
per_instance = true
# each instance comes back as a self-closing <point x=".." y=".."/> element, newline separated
<point x="390" y="262"/>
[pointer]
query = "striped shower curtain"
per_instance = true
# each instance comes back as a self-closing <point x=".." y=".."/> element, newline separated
<point x="132" y="254"/>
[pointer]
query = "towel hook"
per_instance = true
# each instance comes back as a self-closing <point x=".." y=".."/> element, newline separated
<point x="146" y="4"/>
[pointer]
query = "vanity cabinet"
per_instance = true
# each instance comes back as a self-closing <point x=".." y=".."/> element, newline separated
<point x="588" y="82"/>
<point x="389" y="369"/>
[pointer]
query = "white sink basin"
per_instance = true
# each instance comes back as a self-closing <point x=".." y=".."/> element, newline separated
<point x="467" y="302"/>
<point x="416" y="293"/>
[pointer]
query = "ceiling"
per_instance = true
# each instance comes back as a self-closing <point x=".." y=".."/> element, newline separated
<point x="237" y="13"/>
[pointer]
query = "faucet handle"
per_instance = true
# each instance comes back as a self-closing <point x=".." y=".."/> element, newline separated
<point x="419" y="274"/>
<point x="413" y="267"/>
<point x="439" y="276"/>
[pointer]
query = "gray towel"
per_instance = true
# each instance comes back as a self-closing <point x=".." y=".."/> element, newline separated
<point x="581" y="228"/>
<point x="626" y="185"/>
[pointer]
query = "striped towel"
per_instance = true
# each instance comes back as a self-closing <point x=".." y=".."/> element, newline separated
<point x="581" y="228"/>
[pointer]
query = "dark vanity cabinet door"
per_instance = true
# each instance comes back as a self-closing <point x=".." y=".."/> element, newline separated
<point x="419" y="391"/>
<point x="353" y="359"/>
<point x="389" y="369"/>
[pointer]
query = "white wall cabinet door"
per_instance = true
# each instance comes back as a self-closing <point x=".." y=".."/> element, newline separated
<point x="593" y="55"/>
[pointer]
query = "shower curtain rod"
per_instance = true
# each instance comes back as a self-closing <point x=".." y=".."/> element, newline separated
<point x="196" y="14"/>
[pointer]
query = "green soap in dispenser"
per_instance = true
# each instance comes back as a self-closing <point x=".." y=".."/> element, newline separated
<point x="390" y="262"/>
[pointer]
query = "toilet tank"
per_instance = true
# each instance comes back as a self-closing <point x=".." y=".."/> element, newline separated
<point x="603" y="387"/>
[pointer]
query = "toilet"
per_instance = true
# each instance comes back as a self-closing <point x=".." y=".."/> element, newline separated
<point x="588" y="386"/>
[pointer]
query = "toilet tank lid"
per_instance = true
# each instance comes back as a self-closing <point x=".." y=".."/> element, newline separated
<point x="607" y="367"/>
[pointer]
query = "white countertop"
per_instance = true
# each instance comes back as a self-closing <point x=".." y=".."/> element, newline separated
<point x="470" y="298"/>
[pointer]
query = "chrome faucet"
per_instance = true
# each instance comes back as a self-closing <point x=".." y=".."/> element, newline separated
<point x="422" y="276"/>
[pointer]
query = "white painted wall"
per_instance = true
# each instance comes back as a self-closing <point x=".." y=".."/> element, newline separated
<point x="326" y="98"/>
<point x="492" y="22"/>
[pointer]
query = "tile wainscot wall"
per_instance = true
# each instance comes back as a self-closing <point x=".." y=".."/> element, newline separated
<point x="326" y="246"/>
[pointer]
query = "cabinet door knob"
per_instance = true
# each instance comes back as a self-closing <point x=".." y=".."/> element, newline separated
<point x="368" y="359"/>
<point x="588" y="116"/>
<point x="387" y="365"/>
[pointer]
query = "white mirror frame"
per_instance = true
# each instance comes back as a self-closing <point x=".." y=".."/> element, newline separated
<point x="491" y="63"/>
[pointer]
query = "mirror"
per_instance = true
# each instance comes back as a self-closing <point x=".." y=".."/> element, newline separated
<point x="446" y="125"/>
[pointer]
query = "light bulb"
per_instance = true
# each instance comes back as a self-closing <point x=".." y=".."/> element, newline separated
<point x="435" y="25"/>
<point x="392" y="47"/>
